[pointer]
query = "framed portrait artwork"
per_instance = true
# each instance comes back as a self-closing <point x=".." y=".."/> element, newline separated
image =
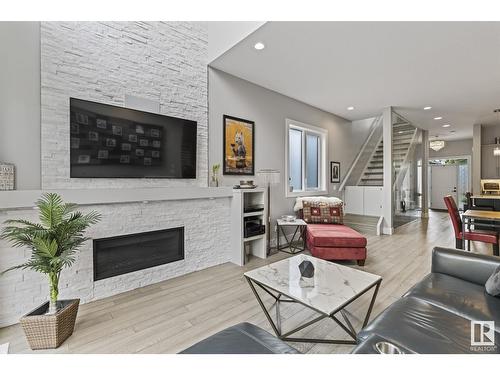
<point x="238" y="144"/>
<point x="334" y="172"/>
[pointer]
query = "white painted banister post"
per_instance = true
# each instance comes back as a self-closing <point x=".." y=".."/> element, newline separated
<point x="388" y="192"/>
<point x="425" y="173"/>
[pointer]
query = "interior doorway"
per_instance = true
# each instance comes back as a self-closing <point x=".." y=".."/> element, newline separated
<point x="448" y="176"/>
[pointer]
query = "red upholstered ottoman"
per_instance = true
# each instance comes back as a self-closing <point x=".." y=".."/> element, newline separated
<point x="336" y="242"/>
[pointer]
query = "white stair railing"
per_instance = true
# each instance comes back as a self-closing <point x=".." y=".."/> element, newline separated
<point x="363" y="157"/>
<point x="368" y="163"/>
<point x="398" y="181"/>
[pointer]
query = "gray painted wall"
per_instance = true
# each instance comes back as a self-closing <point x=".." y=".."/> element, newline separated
<point x="489" y="133"/>
<point x="482" y="135"/>
<point x="236" y="97"/>
<point x="476" y="159"/>
<point x="97" y="61"/>
<point x="20" y="100"/>
<point x="453" y="148"/>
<point x="20" y="105"/>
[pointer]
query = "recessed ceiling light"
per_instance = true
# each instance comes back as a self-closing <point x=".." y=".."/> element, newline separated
<point x="427" y="108"/>
<point x="446" y="125"/>
<point x="350" y="108"/>
<point x="259" y="45"/>
<point x="438" y="118"/>
<point x="452" y="131"/>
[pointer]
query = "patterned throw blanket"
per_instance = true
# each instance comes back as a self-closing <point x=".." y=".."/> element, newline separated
<point x="299" y="202"/>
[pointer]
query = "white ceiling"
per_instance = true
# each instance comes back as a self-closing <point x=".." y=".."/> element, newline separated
<point x="222" y="35"/>
<point x="452" y="66"/>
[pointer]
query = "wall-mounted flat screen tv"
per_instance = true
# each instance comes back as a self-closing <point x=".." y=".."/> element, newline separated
<point x="113" y="142"/>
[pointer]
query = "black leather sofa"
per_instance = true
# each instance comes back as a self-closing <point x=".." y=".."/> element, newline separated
<point x="243" y="338"/>
<point x="435" y="315"/>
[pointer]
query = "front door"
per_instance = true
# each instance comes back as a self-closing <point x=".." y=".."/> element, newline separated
<point x="443" y="182"/>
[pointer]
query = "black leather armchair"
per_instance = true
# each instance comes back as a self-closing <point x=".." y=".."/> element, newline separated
<point x="435" y="315"/>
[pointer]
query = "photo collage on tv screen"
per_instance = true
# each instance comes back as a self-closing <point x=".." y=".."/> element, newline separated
<point x="104" y="140"/>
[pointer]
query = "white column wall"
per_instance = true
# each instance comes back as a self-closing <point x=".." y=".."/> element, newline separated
<point x="388" y="193"/>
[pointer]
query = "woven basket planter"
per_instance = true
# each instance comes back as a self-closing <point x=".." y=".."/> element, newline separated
<point x="50" y="331"/>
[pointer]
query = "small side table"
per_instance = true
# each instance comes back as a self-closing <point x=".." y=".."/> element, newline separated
<point x="296" y="243"/>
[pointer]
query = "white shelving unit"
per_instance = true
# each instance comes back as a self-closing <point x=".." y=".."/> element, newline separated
<point x="243" y="198"/>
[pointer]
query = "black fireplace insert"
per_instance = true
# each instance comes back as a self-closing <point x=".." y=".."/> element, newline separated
<point x="118" y="255"/>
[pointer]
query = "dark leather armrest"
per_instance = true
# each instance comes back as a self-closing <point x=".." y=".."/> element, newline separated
<point x="475" y="268"/>
<point x="243" y="338"/>
<point x="368" y="346"/>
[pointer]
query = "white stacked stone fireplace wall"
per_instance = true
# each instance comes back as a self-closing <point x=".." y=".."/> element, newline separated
<point x="105" y="61"/>
<point x="165" y="62"/>
<point x="206" y="234"/>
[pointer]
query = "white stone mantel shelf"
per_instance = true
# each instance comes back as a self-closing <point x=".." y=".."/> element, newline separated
<point x="16" y="199"/>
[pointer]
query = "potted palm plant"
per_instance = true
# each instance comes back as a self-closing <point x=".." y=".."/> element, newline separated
<point x="53" y="243"/>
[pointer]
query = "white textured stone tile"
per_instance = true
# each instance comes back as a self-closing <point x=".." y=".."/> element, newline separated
<point x="104" y="61"/>
<point x="207" y="244"/>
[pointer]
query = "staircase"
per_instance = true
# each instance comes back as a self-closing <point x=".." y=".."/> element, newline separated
<point x="403" y="135"/>
<point x="363" y="184"/>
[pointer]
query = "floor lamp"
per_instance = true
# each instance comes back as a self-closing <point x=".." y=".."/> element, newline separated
<point x="269" y="177"/>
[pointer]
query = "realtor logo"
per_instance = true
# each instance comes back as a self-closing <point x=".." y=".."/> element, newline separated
<point x="482" y="333"/>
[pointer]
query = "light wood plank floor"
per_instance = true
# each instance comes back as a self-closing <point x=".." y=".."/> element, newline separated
<point x="172" y="315"/>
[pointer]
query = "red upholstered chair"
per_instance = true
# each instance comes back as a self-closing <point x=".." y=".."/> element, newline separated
<point x="470" y="235"/>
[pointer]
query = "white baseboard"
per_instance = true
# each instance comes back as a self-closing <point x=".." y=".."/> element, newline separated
<point x="388" y="230"/>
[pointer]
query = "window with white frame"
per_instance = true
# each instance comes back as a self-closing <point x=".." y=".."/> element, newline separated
<point x="306" y="158"/>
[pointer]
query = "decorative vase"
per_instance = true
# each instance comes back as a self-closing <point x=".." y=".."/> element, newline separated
<point x="49" y="331"/>
<point x="214" y="182"/>
<point x="306" y="269"/>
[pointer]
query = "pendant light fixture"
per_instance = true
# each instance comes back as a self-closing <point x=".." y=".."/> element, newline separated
<point x="496" y="150"/>
<point x="436" y="145"/>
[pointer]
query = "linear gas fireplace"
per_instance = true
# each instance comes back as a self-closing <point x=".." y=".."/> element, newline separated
<point x="115" y="256"/>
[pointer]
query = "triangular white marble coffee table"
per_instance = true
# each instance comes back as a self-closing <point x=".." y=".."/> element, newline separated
<point x="332" y="288"/>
